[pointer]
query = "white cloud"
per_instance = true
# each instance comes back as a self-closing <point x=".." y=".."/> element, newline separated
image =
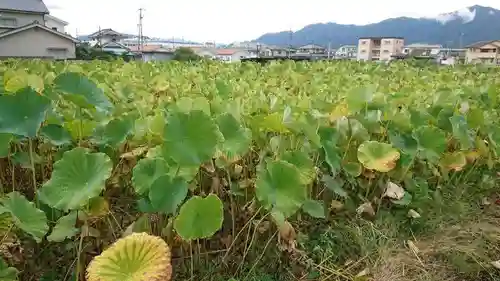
<point x="463" y="14"/>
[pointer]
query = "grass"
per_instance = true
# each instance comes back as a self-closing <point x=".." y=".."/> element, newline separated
<point x="456" y="239"/>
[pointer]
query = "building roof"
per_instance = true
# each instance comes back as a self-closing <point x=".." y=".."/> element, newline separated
<point x="312" y="46"/>
<point x="382" y="37"/>
<point x="151" y="49"/>
<point x="33" y="6"/>
<point x="48" y="16"/>
<point x="483" y="43"/>
<point x="106" y="31"/>
<point x="227" y="52"/>
<point x="423" y="45"/>
<point x="36" y="25"/>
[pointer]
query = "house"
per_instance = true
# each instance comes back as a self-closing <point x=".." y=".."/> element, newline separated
<point x="379" y="48"/>
<point x="107" y="35"/>
<point x="483" y="52"/>
<point x="346" y="52"/>
<point x="55" y="23"/>
<point x="231" y="55"/>
<point x="116" y="48"/>
<point x="154" y="53"/>
<point x="421" y="49"/>
<point x="312" y="49"/>
<point x="24" y="34"/>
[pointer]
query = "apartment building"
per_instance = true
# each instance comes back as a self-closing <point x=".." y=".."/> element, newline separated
<point x="379" y="48"/>
<point x="486" y="52"/>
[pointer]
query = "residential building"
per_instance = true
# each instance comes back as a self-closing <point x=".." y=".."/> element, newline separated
<point x="105" y="36"/>
<point x="346" y="52"/>
<point x="24" y="34"/>
<point x="55" y="23"/>
<point x="483" y="52"/>
<point x="231" y="55"/>
<point x="312" y="49"/>
<point x="379" y="48"/>
<point x="116" y="48"/>
<point x="422" y="49"/>
<point x="154" y="53"/>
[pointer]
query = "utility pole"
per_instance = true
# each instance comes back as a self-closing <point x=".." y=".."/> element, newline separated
<point x="329" y="49"/>
<point x="290" y="37"/>
<point x="140" y="37"/>
<point x="99" y="38"/>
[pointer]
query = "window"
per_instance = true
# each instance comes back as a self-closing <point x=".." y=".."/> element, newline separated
<point x="363" y="42"/>
<point x="363" y="51"/>
<point x="386" y="51"/>
<point x="9" y="22"/>
<point x="387" y="42"/>
<point x="54" y="28"/>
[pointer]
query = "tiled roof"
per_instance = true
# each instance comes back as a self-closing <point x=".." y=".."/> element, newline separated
<point x="150" y="49"/>
<point x="482" y="43"/>
<point x="35" y="6"/>
<point x="226" y="52"/>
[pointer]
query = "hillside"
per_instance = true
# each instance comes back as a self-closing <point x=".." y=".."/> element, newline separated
<point x="459" y="28"/>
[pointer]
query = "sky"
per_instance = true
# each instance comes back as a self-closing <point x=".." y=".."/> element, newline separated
<point x="226" y="21"/>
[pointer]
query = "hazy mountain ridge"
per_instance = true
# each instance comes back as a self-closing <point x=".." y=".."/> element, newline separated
<point x="458" y="28"/>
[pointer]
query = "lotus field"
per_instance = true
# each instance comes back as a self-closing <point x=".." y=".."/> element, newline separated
<point x="218" y="160"/>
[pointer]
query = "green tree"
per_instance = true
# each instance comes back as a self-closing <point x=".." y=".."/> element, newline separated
<point x="185" y="54"/>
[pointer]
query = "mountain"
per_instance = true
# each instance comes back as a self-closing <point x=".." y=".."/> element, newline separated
<point x="459" y="28"/>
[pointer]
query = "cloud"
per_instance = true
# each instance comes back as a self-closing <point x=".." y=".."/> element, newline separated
<point x="463" y="14"/>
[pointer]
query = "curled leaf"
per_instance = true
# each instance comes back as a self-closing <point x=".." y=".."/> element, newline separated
<point x="394" y="191"/>
<point x="378" y="156"/>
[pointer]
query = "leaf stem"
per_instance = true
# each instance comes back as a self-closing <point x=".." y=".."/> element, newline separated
<point x="33" y="171"/>
<point x="78" y="264"/>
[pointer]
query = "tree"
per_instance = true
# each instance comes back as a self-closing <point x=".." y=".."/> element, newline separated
<point x="185" y="54"/>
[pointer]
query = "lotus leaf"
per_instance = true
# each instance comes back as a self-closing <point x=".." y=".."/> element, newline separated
<point x="167" y="193"/>
<point x="199" y="217"/>
<point x="77" y="177"/>
<point x="190" y="139"/>
<point x="279" y="187"/>
<point x="64" y="228"/>
<point x="25" y="215"/>
<point x="378" y="156"/>
<point x="22" y="113"/>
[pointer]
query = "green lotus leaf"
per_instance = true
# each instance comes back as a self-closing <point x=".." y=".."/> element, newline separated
<point x="475" y="118"/>
<point x="332" y="155"/>
<point x="279" y="187"/>
<point x="25" y="215"/>
<point x="455" y="161"/>
<point x="7" y="273"/>
<point x="77" y="177"/>
<point x="82" y="91"/>
<point x="190" y="139"/>
<point x="167" y="193"/>
<point x="22" y="113"/>
<point x="237" y="140"/>
<point x="461" y="131"/>
<point x="304" y="164"/>
<point x="431" y="142"/>
<point x="335" y="185"/>
<point x="199" y="218"/>
<point x="352" y="168"/>
<point x="115" y="132"/>
<point x="64" y="228"/>
<point x="314" y="208"/>
<point x="146" y="172"/>
<point x="56" y="134"/>
<point x="381" y="157"/>
<point x="404" y="142"/>
<point x="136" y="257"/>
<point x="5" y="140"/>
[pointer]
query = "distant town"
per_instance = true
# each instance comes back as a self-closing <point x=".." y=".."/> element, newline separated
<point x="18" y="26"/>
